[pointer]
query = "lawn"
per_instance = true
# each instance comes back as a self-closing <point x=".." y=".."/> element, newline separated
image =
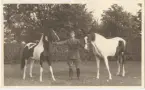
<point x="13" y="75"/>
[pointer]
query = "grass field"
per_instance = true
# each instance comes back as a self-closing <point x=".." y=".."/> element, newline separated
<point x="13" y="75"/>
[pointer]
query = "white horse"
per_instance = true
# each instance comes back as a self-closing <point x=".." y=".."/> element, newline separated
<point x="103" y="47"/>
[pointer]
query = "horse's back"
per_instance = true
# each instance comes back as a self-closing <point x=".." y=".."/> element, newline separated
<point x="114" y="43"/>
<point x="30" y="45"/>
<point x="28" y="50"/>
<point x="107" y="46"/>
<point x="119" y="39"/>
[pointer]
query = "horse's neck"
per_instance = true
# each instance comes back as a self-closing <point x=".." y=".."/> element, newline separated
<point x="99" y="37"/>
<point x="41" y="40"/>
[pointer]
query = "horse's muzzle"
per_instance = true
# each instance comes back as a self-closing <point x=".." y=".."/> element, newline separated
<point x="86" y="47"/>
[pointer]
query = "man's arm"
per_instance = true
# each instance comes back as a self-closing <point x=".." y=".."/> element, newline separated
<point x="61" y="42"/>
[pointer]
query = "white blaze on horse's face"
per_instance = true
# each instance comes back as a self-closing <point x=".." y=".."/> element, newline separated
<point x="46" y="38"/>
<point x="86" y="43"/>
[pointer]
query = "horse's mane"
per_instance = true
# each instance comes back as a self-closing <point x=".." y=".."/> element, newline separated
<point x="105" y="37"/>
<point x="51" y="35"/>
<point x="100" y="35"/>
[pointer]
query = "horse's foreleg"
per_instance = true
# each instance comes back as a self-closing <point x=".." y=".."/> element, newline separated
<point x="98" y="67"/>
<point x="24" y="72"/>
<point x="41" y="69"/>
<point x="31" y="67"/>
<point x="52" y="75"/>
<point x="107" y="66"/>
<point x="50" y="68"/>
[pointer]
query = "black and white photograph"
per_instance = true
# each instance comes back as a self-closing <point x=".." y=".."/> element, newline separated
<point x="95" y="43"/>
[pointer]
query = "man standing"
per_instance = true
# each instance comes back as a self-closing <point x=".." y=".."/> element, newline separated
<point x="73" y="53"/>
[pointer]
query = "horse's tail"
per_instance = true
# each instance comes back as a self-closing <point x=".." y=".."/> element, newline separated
<point x="23" y="57"/>
<point x="127" y="54"/>
<point x="22" y="63"/>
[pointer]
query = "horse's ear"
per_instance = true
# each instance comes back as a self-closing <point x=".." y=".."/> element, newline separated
<point x="83" y="32"/>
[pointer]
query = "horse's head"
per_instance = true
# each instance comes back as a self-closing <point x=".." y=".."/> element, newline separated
<point x="88" y="39"/>
<point x="51" y="36"/>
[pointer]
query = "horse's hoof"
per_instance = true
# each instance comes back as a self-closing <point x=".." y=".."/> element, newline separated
<point x="24" y="78"/>
<point x="41" y="80"/>
<point x="110" y="78"/>
<point x="97" y="77"/>
<point x="31" y="76"/>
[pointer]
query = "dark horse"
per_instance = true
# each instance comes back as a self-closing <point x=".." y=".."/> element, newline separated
<point x="40" y="52"/>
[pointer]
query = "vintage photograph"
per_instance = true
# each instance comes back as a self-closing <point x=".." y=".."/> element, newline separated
<point x="84" y="44"/>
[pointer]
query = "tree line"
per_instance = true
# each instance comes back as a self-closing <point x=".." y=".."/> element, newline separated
<point x="26" y="22"/>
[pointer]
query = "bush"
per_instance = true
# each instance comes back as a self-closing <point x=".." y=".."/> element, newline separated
<point x="12" y="52"/>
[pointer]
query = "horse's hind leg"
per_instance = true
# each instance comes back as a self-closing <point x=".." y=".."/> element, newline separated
<point x="123" y="68"/>
<point x="50" y="68"/>
<point x="107" y="66"/>
<point x="25" y="68"/>
<point x="119" y="65"/>
<point x="123" y="72"/>
<point x="31" y="67"/>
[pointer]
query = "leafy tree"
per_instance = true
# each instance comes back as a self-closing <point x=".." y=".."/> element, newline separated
<point x="117" y="22"/>
<point x="115" y="19"/>
<point x="27" y="21"/>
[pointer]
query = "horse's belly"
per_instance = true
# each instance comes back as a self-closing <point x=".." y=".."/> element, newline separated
<point x="37" y="52"/>
<point x="107" y="50"/>
<point x="110" y="52"/>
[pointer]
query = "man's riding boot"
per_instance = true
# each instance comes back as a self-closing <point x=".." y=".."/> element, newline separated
<point x="70" y="73"/>
<point x="78" y="73"/>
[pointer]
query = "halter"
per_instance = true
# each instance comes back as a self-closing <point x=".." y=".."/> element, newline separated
<point x="56" y="35"/>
